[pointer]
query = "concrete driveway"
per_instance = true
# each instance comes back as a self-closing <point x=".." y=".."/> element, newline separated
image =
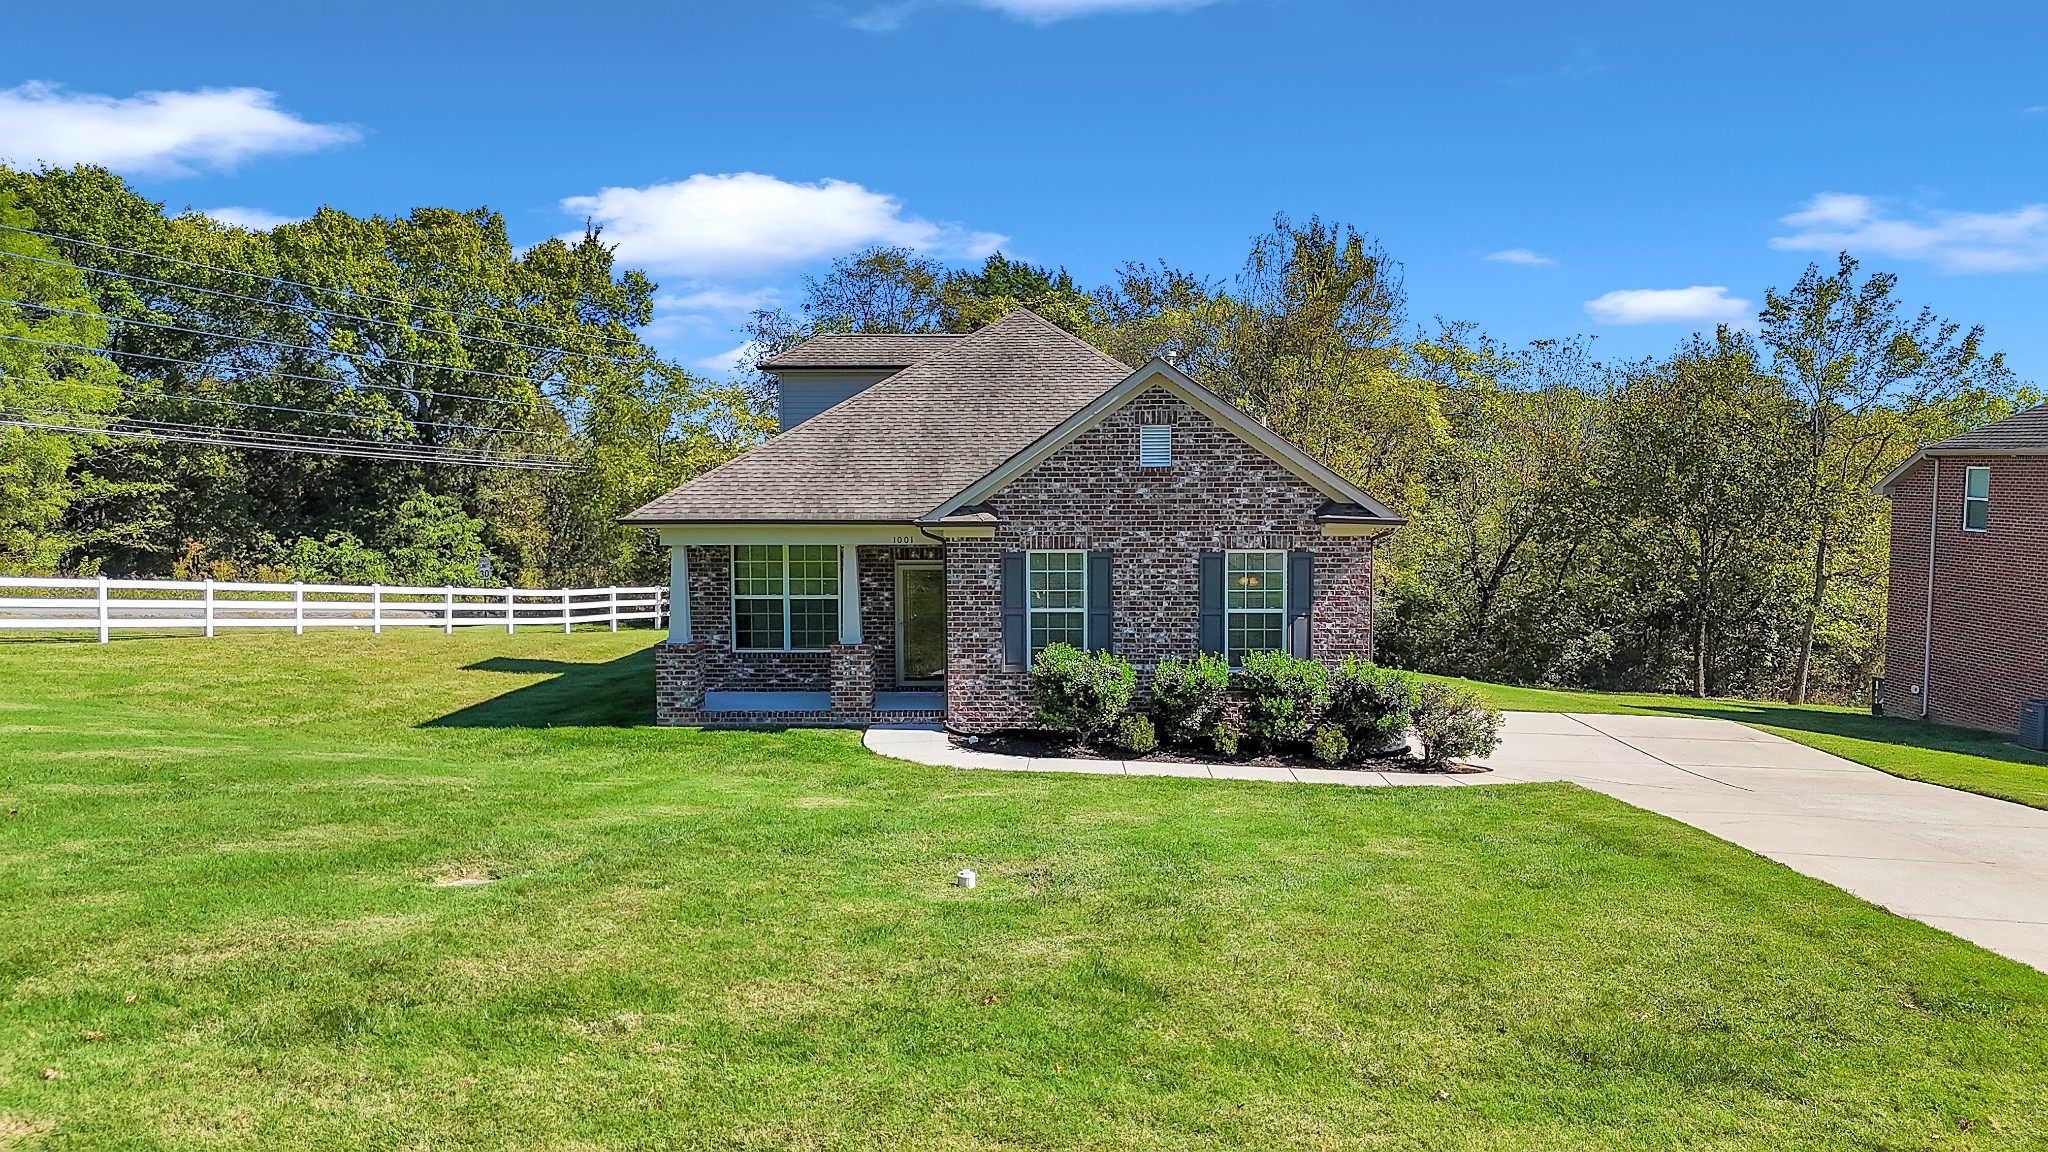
<point x="1967" y="864"/>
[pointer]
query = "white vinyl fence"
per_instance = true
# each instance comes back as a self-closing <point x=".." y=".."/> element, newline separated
<point x="105" y="605"/>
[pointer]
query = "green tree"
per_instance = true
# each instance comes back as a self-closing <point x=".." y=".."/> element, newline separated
<point x="1854" y="362"/>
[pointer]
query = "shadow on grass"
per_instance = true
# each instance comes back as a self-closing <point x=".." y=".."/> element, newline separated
<point x="613" y="694"/>
<point x="1881" y="729"/>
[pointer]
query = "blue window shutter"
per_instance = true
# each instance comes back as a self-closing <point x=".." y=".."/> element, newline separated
<point x="1016" y="621"/>
<point x="1101" y="599"/>
<point x="1210" y="570"/>
<point x="1301" y="596"/>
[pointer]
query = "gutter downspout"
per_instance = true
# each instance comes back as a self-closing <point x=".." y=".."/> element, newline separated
<point x="1927" y="626"/>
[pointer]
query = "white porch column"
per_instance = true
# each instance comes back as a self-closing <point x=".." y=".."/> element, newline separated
<point x="849" y="594"/>
<point x="679" y="594"/>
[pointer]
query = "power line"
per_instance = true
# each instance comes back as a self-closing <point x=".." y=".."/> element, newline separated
<point x="180" y="398"/>
<point x="267" y="440"/>
<point x="310" y="307"/>
<point x="296" y="283"/>
<point x="277" y="372"/>
<point x="324" y="352"/>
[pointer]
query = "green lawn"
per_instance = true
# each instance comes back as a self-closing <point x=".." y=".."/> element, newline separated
<point x="222" y="930"/>
<point x="1985" y="762"/>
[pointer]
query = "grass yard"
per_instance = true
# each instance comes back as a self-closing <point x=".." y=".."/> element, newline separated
<point x="228" y="925"/>
<point x="1984" y="762"/>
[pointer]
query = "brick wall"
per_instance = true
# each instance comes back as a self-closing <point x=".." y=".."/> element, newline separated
<point x="678" y="682"/>
<point x="1990" y="616"/>
<point x="878" y="604"/>
<point x="1220" y="493"/>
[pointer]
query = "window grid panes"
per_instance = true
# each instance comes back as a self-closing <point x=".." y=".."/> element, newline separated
<point x="785" y="598"/>
<point x="1057" y="595"/>
<point x="1976" y="499"/>
<point x="1254" y="602"/>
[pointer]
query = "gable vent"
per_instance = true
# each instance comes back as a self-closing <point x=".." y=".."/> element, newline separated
<point x="1155" y="446"/>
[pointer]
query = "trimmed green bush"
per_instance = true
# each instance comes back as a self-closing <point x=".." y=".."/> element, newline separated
<point x="1223" y="737"/>
<point x="1330" y="745"/>
<point x="1134" y="734"/>
<point x="1453" y="723"/>
<point x="1285" y="695"/>
<point x="1187" y="695"/>
<point x="1373" y="705"/>
<point x="1080" y="693"/>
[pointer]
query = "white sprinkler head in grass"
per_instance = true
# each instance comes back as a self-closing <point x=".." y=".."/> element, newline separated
<point x="965" y="878"/>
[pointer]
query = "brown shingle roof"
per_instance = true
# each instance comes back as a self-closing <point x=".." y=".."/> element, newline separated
<point x="861" y="350"/>
<point x="2022" y="431"/>
<point x="899" y="449"/>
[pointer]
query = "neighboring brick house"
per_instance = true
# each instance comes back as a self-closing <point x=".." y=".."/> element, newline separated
<point x="1967" y="636"/>
<point x="939" y="508"/>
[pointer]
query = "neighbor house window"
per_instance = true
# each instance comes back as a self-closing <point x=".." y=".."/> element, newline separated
<point x="785" y="598"/>
<point x="1254" y="602"/>
<point x="1976" y="499"/>
<point x="1058" y="599"/>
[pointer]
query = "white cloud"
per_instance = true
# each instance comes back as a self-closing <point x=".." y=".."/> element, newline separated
<point x="154" y="133"/>
<point x="2015" y="241"/>
<point x="724" y="361"/>
<point x="254" y="219"/>
<point x="1052" y="11"/>
<point x="730" y="301"/>
<point x="744" y="222"/>
<point x="1695" y="305"/>
<point x="1518" y="256"/>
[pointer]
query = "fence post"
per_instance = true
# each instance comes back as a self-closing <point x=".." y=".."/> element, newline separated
<point x="509" y="613"/>
<point x="565" y="611"/>
<point x="612" y="598"/>
<point x="207" y="595"/>
<point x="448" y="610"/>
<point x="298" y="607"/>
<point x="104" y="627"/>
<point x="376" y="609"/>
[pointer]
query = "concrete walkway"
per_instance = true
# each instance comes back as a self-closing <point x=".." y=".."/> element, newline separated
<point x="1967" y="864"/>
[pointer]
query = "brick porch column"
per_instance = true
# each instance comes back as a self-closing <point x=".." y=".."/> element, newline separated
<point x="853" y="683"/>
<point x="679" y="681"/>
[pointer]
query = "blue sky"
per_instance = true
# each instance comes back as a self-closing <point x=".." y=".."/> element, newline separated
<point x="1628" y="171"/>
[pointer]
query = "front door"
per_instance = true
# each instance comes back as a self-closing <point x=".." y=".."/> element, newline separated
<point x="920" y="624"/>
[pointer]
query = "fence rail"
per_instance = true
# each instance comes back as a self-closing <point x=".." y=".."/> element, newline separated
<point x="104" y="605"/>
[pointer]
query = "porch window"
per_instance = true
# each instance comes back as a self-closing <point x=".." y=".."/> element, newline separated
<point x="785" y="598"/>
<point x="1057" y="584"/>
<point x="1976" y="499"/>
<point x="1254" y="602"/>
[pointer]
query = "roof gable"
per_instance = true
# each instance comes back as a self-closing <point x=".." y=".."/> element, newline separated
<point x="1350" y="502"/>
<point x="2023" y="433"/>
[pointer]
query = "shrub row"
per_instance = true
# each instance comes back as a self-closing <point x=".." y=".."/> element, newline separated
<point x="1355" y="709"/>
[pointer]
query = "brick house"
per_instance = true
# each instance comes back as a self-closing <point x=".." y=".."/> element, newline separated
<point x="1964" y="632"/>
<point x="937" y="509"/>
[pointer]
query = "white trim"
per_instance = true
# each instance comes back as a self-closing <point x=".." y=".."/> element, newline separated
<point x="1968" y="473"/>
<point x="1159" y="372"/>
<point x="1281" y="611"/>
<point x="788" y="598"/>
<point x="849" y="596"/>
<point x="1031" y="613"/>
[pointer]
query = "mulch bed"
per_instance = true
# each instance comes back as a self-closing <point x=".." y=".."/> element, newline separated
<point x="1025" y="742"/>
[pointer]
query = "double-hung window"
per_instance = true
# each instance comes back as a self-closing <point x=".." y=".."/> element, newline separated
<point x="1976" y="499"/>
<point x="1057" y="599"/>
<point x="785" y="598"/>
<point x="1254" y="602"/>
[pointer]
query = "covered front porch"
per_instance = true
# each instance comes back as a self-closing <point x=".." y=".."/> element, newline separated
<point x="803" y="625"/>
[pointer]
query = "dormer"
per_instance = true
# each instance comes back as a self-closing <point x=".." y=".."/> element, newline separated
<point x="824" y="370"/>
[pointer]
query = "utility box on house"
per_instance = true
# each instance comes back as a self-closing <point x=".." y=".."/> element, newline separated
<point x="2034" y="725"/>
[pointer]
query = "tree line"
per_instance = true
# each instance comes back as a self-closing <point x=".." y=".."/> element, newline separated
<point x="1700" y="521"/>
